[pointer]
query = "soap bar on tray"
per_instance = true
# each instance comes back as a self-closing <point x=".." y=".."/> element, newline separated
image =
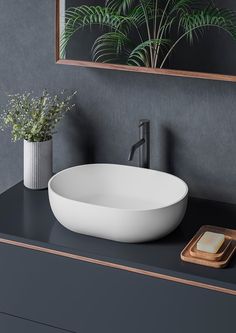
<point x="210" y="242"/>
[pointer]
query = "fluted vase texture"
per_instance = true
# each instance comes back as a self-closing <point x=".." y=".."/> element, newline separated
<point x="37" y="164"/>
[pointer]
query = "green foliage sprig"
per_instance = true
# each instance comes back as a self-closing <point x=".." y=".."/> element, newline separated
<point x="34" y="118"/>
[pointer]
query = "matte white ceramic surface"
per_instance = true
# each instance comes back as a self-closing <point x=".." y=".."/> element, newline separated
<point x="117" y="202"/>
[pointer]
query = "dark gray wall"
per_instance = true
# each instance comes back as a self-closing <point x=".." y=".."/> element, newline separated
<point x="192" y="121"/>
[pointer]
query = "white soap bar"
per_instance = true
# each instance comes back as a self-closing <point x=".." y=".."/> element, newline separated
<point x="210" y="242"/>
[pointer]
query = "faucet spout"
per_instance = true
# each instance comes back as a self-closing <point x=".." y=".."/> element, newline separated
<point x="134" y="148"/>
<point x="143" y="144"/>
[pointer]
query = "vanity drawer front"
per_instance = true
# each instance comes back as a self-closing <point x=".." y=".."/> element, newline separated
<point x="87" y="298"/>
<point x="12" y="324"/>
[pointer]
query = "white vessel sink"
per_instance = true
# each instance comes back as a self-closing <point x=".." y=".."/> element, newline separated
<point x="116" y="202"/>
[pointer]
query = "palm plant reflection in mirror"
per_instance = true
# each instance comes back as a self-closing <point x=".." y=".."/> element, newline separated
<point x="154" y="22"/>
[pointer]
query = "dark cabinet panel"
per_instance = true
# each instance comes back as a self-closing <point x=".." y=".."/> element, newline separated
<point x="87" y="298"/>
<point x="12" y="324"/>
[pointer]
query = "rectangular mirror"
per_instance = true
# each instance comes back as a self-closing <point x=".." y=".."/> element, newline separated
<point x="192" y="38"/>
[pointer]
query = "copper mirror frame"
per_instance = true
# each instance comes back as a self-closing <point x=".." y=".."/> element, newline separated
<point x="170" y="72"/>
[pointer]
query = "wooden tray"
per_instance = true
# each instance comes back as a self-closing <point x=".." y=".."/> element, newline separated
<point x="223" y="261"/>
<point x="210" y="256"/>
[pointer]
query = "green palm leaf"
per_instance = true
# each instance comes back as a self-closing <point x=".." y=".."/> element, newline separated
<point x="140" y="55"/>
<point x="181" y="5"/>
<point x="137" y="15"/>
<point x="79" y="17"/>
<point x="198" y="20"/>
<point x="174" y="9"/>
<point x="120" y="6"/>
<point x="110" y="47"/>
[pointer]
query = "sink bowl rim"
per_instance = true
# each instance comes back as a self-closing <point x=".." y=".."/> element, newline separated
<point x="182" y="197"/>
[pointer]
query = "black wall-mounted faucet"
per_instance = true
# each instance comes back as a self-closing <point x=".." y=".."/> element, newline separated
<point x="143" y="144"/>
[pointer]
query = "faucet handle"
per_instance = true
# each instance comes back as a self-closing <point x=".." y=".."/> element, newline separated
<point x="143" y="122"/>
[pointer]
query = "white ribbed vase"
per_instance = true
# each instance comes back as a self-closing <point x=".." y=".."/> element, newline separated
<point x="37" y="164"/>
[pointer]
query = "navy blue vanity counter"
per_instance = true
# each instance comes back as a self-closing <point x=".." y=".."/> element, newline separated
<point x="26" y="217"/>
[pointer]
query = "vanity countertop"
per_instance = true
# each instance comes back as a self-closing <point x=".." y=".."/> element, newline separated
<point x="26" y="219"/>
